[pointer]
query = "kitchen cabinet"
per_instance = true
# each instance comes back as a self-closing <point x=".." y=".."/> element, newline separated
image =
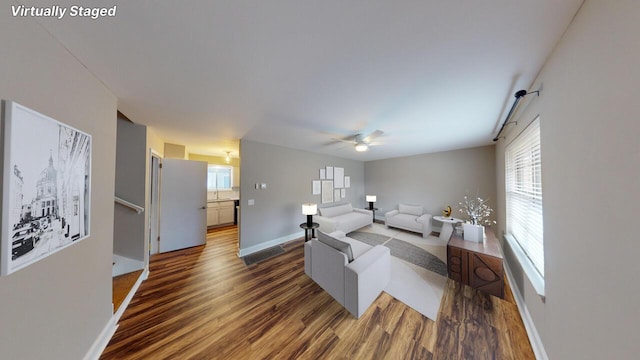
<point x="220" y="212"/>
<point x="225" y="213"/>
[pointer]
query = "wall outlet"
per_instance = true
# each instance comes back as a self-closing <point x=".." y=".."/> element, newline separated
<point x="251" y="202"/>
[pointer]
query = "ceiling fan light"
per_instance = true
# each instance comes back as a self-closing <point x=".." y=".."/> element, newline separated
<point x="361" y="147"/>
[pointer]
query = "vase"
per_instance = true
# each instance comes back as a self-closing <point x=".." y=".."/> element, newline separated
<point x="473" y="233"/>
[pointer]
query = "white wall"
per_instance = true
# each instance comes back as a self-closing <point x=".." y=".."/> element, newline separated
<point x="432" y="180"/>
<point x="590" y="170"/>
<point x="288" y="173"/>
<point x="57" y="307"/>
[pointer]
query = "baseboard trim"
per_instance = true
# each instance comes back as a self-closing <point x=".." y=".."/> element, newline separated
<point x="271" y="243"/>
<point x="112" y="325"/>
<point x="532" y="332"/>
<point x="102" y="340"/>
<point x="134" y="289"/>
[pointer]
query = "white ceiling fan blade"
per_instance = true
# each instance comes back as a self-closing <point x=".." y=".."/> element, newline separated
<point x="372" y="136"/>
<point x="352" y="139"/>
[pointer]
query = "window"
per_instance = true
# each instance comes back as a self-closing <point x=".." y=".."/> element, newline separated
<point x="523" y="186"/>
<point x="219" y="177"/>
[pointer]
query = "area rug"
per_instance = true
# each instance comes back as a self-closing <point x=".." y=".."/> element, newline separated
<point x="262" y="255"/>
<point x="418" y="266"/>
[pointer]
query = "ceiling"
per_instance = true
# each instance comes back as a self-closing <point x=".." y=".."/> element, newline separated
<point x="433" y="75"/>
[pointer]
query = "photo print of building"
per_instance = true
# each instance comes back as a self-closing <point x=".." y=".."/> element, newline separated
<point x="50" y="167"/>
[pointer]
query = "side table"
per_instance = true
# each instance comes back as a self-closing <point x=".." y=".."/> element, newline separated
<point x="309" y="230"/>
<point x="373" y="210"/>
<point x="447" y="226"/>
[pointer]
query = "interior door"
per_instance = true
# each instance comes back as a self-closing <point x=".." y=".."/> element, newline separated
<point x="183" y="211"/>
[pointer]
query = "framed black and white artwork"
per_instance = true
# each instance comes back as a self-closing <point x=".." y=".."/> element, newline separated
<point x="46" y="187"/>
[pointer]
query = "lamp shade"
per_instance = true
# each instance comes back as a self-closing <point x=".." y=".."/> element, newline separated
<point x="309" y="209"/>
<point x="371" y="198"/>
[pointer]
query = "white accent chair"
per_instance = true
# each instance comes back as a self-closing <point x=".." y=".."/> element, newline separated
<point x="342" y="218"/>
<point x="409" y="217"/>
<point x="352" y="272"/>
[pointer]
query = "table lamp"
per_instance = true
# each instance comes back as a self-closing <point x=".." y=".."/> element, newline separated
<point x="309" y="209"/>
<point x="371" y="199"/>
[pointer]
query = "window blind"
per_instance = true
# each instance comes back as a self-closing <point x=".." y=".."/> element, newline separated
<point x="523" y="185"/>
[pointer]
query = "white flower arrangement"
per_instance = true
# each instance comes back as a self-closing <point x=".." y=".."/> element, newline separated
<point x="476" y="211"/>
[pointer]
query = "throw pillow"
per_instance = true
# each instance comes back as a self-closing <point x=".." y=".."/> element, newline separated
<point x="410" y="209"/>
<point x="343" y="247"/>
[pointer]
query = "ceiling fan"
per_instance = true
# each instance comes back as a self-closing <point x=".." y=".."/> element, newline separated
<point x="361" y="143"/>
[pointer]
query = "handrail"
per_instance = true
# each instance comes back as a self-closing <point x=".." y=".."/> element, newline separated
<point x="131" y="206"/>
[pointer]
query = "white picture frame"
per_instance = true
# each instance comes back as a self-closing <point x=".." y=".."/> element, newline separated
<point x="46" y="187"/>
<point x="327" y="191"/>
<point x="323" y="174"/>
<point x="315" y="187"/>
<point x="336" y="194"/>
<point x="329" y="172"/>
<point x="347" y="182"/>
<point x="343" y="193"/>
<point x="338" y="177"/>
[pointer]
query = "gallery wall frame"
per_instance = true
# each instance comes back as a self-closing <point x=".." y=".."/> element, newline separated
<point x="329" y="172"/>
<point x="327" y="191"/>
<point x="338" y="177"/>
<point x="46" y="187"/>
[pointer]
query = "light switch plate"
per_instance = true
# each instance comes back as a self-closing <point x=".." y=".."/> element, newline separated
<point x="263" y="186"/>
<point x="251" y="202"/>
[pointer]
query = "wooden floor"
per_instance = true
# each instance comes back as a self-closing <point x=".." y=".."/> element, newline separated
<point x="204" y="303"/>
<point x="122" y="285"/>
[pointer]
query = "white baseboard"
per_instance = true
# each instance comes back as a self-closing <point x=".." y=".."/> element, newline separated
<point x="102" y="341"/>
<point x="532" y="332"/>
<point x="132" y="292"/>
<point x="271" y="243"/>
<point x="110" y="328"/>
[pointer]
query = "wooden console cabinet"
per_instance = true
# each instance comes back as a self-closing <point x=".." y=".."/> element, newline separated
<point x="479" y="265"/>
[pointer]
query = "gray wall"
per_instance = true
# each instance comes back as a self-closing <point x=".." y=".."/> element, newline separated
<point x="588" y="111"/>
<point x="432" y="180"/>
<point x="57" y="307"/>
<point x="131" y="169"/>
<point x="288" y="173"/>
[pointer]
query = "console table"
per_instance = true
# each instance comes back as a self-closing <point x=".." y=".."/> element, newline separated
<point x="479" y="265"/>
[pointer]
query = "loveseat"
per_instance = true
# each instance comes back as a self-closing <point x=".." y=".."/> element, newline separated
<point x="409" y="217"/>
<point x="352" y="272"/>
<point x="342" y="218"/>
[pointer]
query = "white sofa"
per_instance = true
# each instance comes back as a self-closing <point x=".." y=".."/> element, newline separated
<point x="352" y="272"/>
<point x="342" y="218"/>
<point x="409" y="217"/>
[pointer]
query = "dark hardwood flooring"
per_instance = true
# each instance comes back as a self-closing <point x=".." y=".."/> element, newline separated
<point x="204" y="303"/>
